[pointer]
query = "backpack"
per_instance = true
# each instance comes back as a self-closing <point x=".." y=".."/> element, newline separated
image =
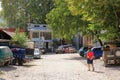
<point x="90" y="55"/>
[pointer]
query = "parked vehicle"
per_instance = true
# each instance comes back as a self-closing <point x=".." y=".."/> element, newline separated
<point x="70" y="50"/>
<point x="19" y="55"/>
<point x="111" y="54"/>
<point x="43" y="50"/>
<point x="29" y="55"/>
<point x="98" y="51"/>
<point x="6" y="56"/>
<point x="82" y="51"/>
<point x="37" y="53"/>
<point x="61" y="49"/>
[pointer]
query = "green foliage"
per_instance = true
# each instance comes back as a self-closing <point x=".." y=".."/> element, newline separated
<point x="110" y="35"/>
<point x="68" y="17"/>
<point x="101" y="15"/>
<point x="19" y="38"/>
<point x="20" y="12"/>
<point x="2" y="22"/>
<point x="62" y="22"/>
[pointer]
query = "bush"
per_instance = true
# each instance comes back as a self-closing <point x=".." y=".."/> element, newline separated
<point x="19" y="38"/>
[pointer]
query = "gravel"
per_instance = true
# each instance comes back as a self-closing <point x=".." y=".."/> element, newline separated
<point x="60" y="67"/>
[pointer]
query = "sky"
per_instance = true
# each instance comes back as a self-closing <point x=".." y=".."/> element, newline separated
<point x="0" y="6"/>
<point x="0" y="10"/>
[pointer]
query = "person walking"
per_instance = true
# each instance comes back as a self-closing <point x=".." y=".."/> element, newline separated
<point x="90" y="58"/>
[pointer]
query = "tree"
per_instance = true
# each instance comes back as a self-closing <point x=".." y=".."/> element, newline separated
<point x="20" y="12"/>
<point x="62" y="22"/>
<point x="102" y="15"/>
<point x="2" y="21"/>
<point x="19" y="38"/>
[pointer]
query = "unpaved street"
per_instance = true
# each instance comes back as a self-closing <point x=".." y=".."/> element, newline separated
<point x="60" y="67"/>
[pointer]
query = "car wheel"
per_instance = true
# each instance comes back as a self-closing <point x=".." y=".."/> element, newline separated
<point x="81" y="54"/>
<point x="7" y="63"/>
<point x="56" y="52"/>
<point x="43" y="52"/>
<point x="117" y="53"/>
<point x="20" y="62"/>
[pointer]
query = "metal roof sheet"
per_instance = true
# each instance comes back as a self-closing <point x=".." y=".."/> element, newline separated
<point x="40" y="29"/>
<point x="9" y="33"/>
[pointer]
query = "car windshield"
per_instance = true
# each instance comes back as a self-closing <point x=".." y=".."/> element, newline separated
<point x="36" y="51"/>
<point x="83" y="48"/>
<point x="64" y="46"/>
<point x="97" y="49"/>
<point x="60" y="46"/>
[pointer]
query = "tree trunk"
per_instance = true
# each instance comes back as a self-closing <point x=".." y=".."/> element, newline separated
<point x="100" y="42"/>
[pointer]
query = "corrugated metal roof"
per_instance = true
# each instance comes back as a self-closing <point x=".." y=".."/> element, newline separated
<point x="40" y="29"/>
<point x="9" y="33"/>
<point x="12" y="29"/>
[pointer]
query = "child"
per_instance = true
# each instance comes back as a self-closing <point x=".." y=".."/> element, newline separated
<point x="90" y="57"/>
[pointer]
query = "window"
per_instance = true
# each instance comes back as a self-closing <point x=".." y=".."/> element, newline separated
<point x="47" y="35"/>
<point x="35" y="35"/>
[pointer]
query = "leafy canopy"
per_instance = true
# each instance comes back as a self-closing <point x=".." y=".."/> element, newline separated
<point x="62" y="22"/>
<point x="18" y="13"/>
<point x="19" y="38"/>
<point x="101" y="15"/>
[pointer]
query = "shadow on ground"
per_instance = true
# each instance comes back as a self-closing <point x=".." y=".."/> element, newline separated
<point x="28" y="65"/>
<point x="2" y="79"/>
<point x="114" y="66"/>
<point x="75" y="58"/>
<point x="99" y="72"/>
<point x="7" y="68"/>
<point x="48" y="53"/>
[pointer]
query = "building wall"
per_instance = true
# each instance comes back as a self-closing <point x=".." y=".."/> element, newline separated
<point x="88" y="40"/>
<point x="40" y="35"/>
<point x="77" y="41"/>
<point x="36" y="34"/>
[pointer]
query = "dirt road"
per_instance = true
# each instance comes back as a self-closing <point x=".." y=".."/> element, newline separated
<point x="60" y="67"/>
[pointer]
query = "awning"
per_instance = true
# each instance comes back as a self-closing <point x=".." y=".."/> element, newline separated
<point x="4" y="40"/>
<point x="11" y="34"/>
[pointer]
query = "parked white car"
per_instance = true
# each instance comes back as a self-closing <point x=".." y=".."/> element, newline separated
<point x="37" y="53"/>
